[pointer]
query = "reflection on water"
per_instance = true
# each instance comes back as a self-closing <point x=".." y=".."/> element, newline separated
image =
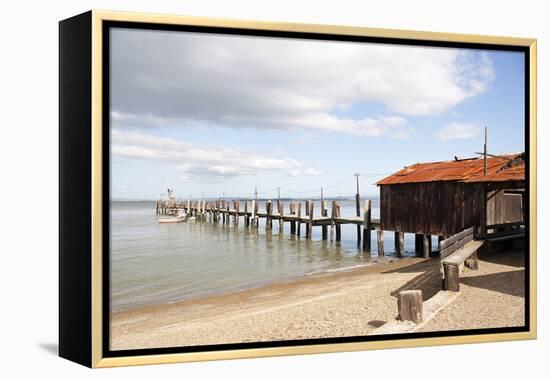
<point x="152" y="263"/>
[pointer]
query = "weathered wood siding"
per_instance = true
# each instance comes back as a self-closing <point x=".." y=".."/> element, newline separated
<point x="434" y="208"/>
<point x="504" y="206"/>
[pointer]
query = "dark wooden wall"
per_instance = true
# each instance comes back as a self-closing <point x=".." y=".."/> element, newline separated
<point x="504" y="206"/>
<point x="434" y="208"/>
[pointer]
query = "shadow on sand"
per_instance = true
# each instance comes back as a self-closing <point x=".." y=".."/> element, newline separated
<point x="511" y="283"/>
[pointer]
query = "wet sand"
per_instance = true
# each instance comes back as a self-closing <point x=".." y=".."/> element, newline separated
<point x="348" y="303"/>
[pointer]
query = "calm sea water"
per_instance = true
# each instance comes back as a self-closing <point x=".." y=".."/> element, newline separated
<point x="152" y="263"/>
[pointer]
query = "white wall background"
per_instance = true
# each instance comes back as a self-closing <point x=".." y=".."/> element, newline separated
<point x="28" y="189"/>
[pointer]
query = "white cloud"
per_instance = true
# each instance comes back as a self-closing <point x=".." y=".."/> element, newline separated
<point x="457" y="130"/>
<point x="188" y="80"/>
<point x="201" y="163"/>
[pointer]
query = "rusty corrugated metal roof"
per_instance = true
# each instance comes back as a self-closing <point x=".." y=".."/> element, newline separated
<point x="467" y="170"/>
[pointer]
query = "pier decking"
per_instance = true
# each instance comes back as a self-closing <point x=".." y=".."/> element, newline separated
<point x="226" y="211"/>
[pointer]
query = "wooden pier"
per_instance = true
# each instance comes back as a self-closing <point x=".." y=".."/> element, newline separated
<point x="301" y="215"/>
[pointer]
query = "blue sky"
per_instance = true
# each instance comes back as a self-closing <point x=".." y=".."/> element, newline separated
<point x="221" y="114"/>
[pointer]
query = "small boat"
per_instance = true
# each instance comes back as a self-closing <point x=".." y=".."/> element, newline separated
<point x="177" y="219"/>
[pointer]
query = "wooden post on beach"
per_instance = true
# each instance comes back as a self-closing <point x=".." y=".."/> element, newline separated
<point x="292" y="223"/>
<point x="380" y="241"/>
<point x="324" y="215"/>
<point x="367" y="227"/>
<point x="452" y="277"/>
<point x="299" y="218"/>
<point x="268" y="209"/>
<point x="338" y="226"/>
<point x="309" y="230"/>
<point x="426" y="245"/>
<point x="409" y="305"/>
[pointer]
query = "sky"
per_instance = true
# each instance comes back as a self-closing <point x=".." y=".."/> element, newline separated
<point x="211" y="115"/>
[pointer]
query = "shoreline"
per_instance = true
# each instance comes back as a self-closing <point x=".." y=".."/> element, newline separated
<point x="328" y="305"/>
<point x="267" y="284"/>
<point x="311" y="277"/>
<point x="182" y="322"/>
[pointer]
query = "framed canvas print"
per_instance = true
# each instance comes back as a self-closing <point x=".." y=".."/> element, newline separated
<point x="235" y="189"/>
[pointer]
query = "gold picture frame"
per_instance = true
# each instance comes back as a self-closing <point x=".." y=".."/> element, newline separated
<point x="92" y="328"/>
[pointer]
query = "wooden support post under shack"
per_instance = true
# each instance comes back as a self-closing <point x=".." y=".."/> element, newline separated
<point x="399" y="243"/>
<point x="425" y="246"/>
<point x="367" y="227"/>
<point x="409" y="306"/>
<point x="246" y="219"/>
<point x="380" y="241"/>
<point x="418" y="245"/>
<point x="324" y="214"/>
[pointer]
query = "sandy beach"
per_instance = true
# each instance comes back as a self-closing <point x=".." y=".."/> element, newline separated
<point x="348" y="303"/>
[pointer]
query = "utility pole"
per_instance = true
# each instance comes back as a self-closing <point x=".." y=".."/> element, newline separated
<point x="256" y="193"/>
<point x="358" y="208"/>
<point x="321" y="194"/>
<point x="485" y="154"/>
<point x="278" y="193"/>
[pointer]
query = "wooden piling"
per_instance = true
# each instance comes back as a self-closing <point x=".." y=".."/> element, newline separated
<point x="254" y="207"/>
<point x="380" y="241"/>
<point x="309" y="230"/>
<point x="237" y="208"/>
<point x="280" y="209"/>
<point x="268" y="209"/>
<point x="338" y="227"/>
<point x="367" y="227"/>
<point x="332" y="216"/>
<point x="292" y="223"/>
<point x="324" y="214"/>
<point x="299" y="218"/>
<point x="410" y="306"/>
<point x="358" y="213"/>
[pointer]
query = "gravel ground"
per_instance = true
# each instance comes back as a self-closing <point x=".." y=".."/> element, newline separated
<point x="492" y="297"/>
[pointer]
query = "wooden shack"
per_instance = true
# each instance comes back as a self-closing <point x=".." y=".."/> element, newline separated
<point x="444" y="198"/>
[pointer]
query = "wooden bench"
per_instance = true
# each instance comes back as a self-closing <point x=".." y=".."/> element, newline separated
<point x="456" y="252"/>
